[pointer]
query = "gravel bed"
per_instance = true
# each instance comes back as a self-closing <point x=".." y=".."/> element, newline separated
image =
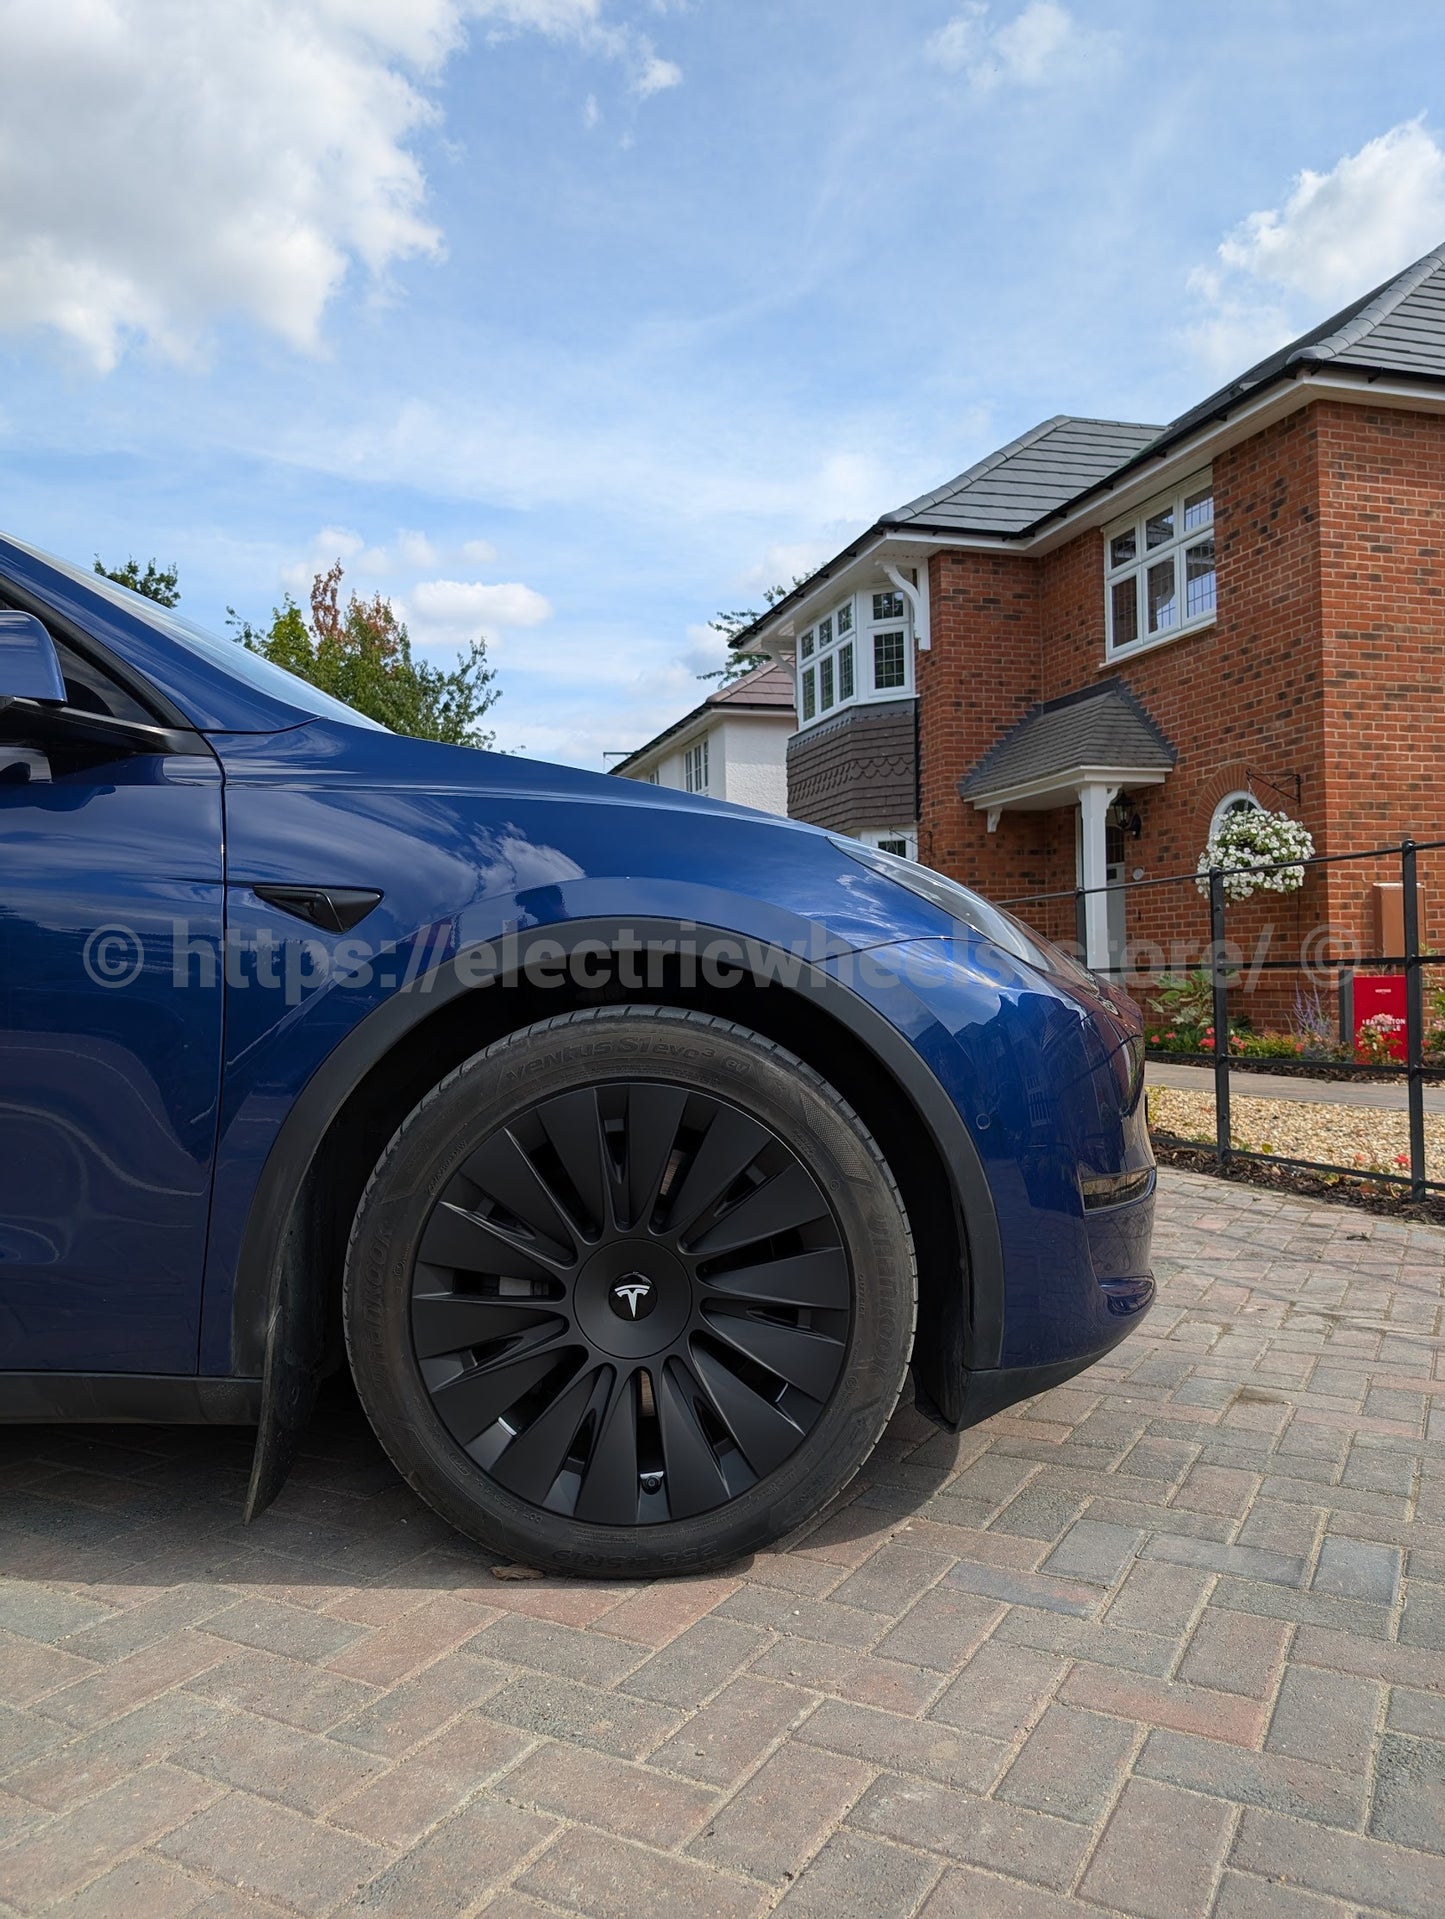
<point x="1303" y="1129"/>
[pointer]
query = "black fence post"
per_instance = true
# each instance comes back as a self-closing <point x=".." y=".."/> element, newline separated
<point x="1221" y="1017"/>
<point x="1414" y="1018"/>
<point x="1081" y="924"/>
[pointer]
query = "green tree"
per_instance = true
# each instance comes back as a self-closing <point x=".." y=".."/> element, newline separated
<point x="738" y="665"/>
<point x="361" y="653"/>
<point x="159" y="583"/>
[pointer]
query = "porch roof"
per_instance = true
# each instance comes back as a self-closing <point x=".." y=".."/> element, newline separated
<point x="1101" y="733"/>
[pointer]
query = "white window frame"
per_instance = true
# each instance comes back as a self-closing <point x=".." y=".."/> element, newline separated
<point x="1145" y="558"/>
<point x="849" y="624"/>
<point x="695" y="766"/>
<point x="889" y="839"/>
<point x="1231" y="803"/>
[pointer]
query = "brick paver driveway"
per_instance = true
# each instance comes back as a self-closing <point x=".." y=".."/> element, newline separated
<point x="1170" y="1641"/>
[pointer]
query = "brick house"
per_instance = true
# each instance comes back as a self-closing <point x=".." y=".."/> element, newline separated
<point x="1064" y="666"/>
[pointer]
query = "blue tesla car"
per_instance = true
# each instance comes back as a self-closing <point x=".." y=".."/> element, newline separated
<point x="627" y="1147"/>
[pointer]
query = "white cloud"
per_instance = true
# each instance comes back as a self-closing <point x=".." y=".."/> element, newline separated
<point x="1336" y="235"/>
<point x="1040" y="44"/>
<point x="164" y="164"/>
<point x="478" y="552"/>
<point x="469" y="604"/>
<point x="787" y="561"/>
<point x="656" y="75"/>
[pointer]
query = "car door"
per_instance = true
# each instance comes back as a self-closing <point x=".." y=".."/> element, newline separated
<point x="111" y="904"/>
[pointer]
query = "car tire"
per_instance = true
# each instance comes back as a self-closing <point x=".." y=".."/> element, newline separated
<point x="631" y="1292"/>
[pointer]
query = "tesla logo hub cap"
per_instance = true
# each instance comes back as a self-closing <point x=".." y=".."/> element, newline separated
<point x="633" y="1298"/>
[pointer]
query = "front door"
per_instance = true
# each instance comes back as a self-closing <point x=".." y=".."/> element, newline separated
<point x="110" y="1030"/>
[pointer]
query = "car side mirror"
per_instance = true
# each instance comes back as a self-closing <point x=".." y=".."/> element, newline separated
<point x="29" y="664"/>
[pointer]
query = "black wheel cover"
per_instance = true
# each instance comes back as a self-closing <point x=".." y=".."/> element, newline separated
<point x="631" y="1303"/>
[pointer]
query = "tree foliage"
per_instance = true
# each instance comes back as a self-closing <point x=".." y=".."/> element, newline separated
<point x="738" y="665"/>
<point x="360" y="652"/>
<point x="158" y="583"/>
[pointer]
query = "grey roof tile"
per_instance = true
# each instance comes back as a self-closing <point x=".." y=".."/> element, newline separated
<point x="1102" y="726"/>
<point x="1029" y="477"/>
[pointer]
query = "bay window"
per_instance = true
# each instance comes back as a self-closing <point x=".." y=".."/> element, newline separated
<point x="860" y="651"/>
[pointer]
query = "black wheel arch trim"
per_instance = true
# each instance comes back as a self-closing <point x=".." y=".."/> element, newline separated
<point x="116" y="1399"/>
<point x="276" y="1327"/>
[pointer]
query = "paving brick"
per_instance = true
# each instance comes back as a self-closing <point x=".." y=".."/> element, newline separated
<point x="281" y="1688"/>
<point x="1362" y="1871"/>
<point x="965" y="1893"/>
<point x="1088" y="1639"/>
<point x="1070" y="1764"/>
<point x="919" y="1746"/>
<point x="411" y="1796"/>
<point x="482" y="1843"/>
<point x="36" y="1612"/>
<point x="1027" y="1589"/>
<point x="892" y="1579"/>
<point x="29" y="1669"/>
<point x="1409" y="1796"/>
<point x="1000" y="1692"/>
<point x="1097" y="1553"/>
<point x="942" y="1630"/>
<point x="112" y="1690"/>
<point x="1306" y="1608"/>
<point x="1396" y="1665"/>
<point x="1160" y="1853"/>
<point x="299" y="1769"/>
<point x="1242" y="1896"/>
<point x="1423" y="1623"/>
<point x="142" y="1887"/>
<point x="862" y="1677"/>
<point x="268" y="1849"/>
<point x="563" y="1652"/>
<point x="664" y="1609"/>
<point x="147" y="1623"/>
<point x="402" y="1718"/>
<point x="563" y="1709"/>
<point x="1005" y="1838"/>
<point x="1156" y="1702"/>
<point x="1217" y="1489"/>
<point x="1235" y="1652"/>
<point x="389" y="1653"/>
<point x="1325" y="1717"/>
<point x="1158" y="1597"/>
<point x="288" y="1630"/>
<point x="1249" y="1562"/>
<point x="809" y="1619"/>
<point x="22" y="1735"/>
<point x="75" y="1847"/>
<point x="610" y="1879"/>
<point x="92" y="1761"/>
<point x="1285" y="1784"/>
<point x="1041" y="1511"/>
<point x="699" y="1661"/>
<point x="731" y="1733"/>
<point x="634" y="1802"/>
<point x="783" y="1813"/>
<point x="855" y="1877"/>
<point x="1351" y="1569"/>
<point x="1419" y="1712"/>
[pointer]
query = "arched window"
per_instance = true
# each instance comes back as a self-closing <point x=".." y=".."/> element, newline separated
<point x="1232" y="803"/>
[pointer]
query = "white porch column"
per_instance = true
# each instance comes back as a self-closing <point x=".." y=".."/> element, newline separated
<point x="1094" y="803"/>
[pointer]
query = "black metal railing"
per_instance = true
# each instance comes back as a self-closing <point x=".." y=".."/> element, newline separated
<point x="1424" y="1041"/>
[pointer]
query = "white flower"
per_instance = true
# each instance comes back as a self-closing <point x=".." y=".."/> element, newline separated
<point x="1258" y="852"/>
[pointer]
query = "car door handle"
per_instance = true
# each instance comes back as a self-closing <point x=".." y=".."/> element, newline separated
<point x="334" y="909"/>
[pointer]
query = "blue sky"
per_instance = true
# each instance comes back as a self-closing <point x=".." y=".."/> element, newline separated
<point x="571" y="321"/>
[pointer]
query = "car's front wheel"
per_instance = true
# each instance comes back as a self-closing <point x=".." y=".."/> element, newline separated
<point x="630" y="1292"/>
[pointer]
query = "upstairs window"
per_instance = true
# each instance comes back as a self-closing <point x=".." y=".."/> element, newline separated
<point x="695" y="767"/>
<point x="861" y="650"/>
<point x="1159" y="576"/>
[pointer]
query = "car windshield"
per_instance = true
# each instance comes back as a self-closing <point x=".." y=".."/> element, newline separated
<point x="230" y="655"/>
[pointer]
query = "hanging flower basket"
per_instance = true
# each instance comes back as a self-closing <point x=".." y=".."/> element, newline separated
<point x="1250" y="843"/>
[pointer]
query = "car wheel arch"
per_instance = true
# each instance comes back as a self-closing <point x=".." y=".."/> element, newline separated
<point x="288" y="1270"/>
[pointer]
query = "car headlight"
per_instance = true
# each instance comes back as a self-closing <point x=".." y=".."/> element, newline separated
<point x="992" y="922"/>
